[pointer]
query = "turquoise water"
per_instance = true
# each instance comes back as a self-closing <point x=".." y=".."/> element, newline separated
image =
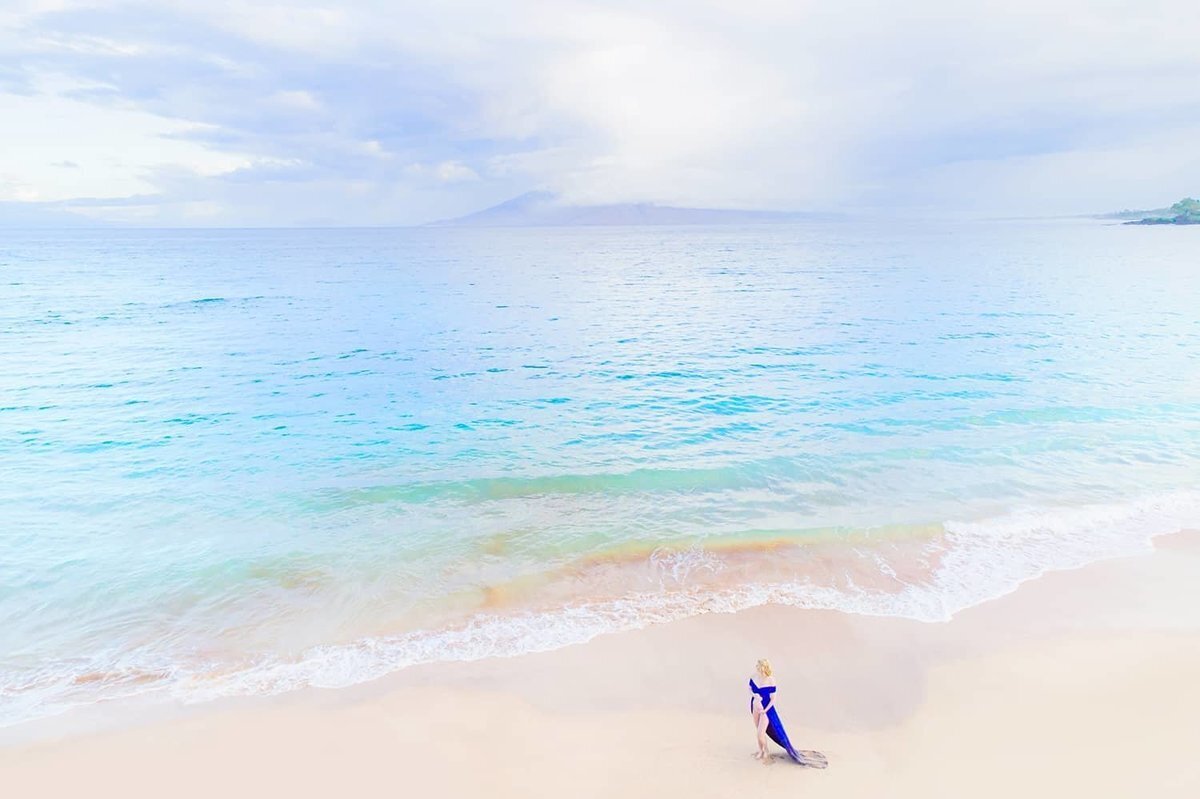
<point x="247" y="461"/>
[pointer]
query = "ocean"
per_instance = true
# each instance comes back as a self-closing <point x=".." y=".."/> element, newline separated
<point x="247" y="461"/>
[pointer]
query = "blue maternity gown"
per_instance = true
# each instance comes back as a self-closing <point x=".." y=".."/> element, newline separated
<point x="775" y="728"/>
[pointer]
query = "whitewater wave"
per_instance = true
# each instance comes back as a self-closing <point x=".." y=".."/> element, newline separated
<point x="981" y="560"/>
<point x="970" y="562"/>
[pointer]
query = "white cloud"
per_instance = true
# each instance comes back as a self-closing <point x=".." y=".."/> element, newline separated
<point x="297" y="99"/>
<point x="428" y="108"/>
<point x="444" y="172"/>
<point x="115" y="150"/>
<point x="454" y="172"/>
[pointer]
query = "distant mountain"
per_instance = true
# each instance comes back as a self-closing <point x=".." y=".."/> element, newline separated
<point x="543" y="209"/>
<point x="1184" y="212"/>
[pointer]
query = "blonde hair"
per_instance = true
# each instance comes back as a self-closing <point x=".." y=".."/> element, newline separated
<point x="764" y="667"/>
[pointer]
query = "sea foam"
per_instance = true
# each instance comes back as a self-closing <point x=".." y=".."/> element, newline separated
<point x="983" y="559"/>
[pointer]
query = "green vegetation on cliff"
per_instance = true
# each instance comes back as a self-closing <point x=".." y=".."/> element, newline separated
<point x="1184" y="212"/>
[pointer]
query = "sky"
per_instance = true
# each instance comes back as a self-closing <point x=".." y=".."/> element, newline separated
<point x="370" y="112"/>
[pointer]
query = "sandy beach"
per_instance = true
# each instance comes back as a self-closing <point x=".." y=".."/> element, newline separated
<point x="445" y="400"/>
<point x="1078" y="684"/>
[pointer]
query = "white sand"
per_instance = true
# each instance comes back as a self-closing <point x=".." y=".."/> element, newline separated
<point x="1079" y="684"/>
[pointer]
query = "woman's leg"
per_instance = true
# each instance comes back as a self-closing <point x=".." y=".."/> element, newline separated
<point x="755" y="715"/>
<point x="763" y="723"/>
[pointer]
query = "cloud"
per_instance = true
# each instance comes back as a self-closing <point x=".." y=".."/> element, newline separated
<point x="445" y="172"/>
<point x="380" y="113"/>
<point x="112" y="146"/>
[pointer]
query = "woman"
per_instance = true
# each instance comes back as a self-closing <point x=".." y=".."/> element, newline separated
<point x="761" y="700"/>
<point x="767" y="723"/>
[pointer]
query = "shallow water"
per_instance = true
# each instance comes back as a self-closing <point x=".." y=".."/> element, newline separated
<point x="246" y="461"/>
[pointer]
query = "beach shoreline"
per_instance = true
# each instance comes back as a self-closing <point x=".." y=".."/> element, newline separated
<point x="1078" y="681"/>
